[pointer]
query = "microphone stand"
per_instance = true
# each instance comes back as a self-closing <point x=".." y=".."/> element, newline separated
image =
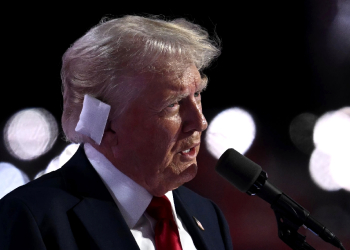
<point x="289" y="214"/>
<point x="287" y="226"/>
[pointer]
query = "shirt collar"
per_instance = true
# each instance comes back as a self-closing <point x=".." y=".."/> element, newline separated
<point x="131" y="198"/>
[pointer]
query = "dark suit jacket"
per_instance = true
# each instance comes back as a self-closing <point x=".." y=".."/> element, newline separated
<point x="72" y="209"/>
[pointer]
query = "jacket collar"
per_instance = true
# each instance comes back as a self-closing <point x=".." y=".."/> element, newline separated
<point x="200" y="240"/>
<point x="96" y="210"/>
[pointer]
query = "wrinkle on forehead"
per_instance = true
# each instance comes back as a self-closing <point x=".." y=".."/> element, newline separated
<point x="179" y="85"/>
<point x="190" y="76"/>
<point x="179" y="73"/>
<point x="190" y="80"/>
<point x="180" y="90"/>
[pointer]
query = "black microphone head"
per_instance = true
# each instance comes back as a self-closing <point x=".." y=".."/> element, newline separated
<point x="238" y="169"/>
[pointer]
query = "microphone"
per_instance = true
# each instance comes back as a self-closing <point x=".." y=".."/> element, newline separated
<point x="248" y="177"/>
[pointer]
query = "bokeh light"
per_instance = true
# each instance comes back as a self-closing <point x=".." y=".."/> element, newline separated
<point x="11" y="178"/>
<point x="30" y="133"/>
<point x="232" y="128"/>
<point x="60" y="160"/>
<point x="332" y="132"/>
<point x="340" y="170"/>
<point x="319" y="168"/>
<point x="339" y="33"/>
<point x="301" y="132"/>
<point x="330" y="162"/>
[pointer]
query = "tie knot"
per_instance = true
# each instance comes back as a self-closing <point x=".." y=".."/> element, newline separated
<point x="160" y="208"/>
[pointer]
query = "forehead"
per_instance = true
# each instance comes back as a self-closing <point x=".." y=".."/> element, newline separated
<point x="179" y="82"/>
<point x="156" y="90"/>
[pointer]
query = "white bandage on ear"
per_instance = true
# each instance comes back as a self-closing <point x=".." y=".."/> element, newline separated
<point x="93" y="118"/>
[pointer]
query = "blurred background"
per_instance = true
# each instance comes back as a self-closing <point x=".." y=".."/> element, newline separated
<point x="279" y="94"/>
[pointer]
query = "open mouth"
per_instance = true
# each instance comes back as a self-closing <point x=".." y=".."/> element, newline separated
<point x="190" y="151"/>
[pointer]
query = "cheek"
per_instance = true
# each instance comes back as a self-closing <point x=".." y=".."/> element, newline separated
<point x="168" y="130"/>
<point x="152" y="138"/>
<point x="162" y="137"/>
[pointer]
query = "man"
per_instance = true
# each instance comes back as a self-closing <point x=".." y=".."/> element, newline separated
<point x="131" y="90"/>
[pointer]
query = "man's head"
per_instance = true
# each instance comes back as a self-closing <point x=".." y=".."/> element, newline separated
<point x="147" y="69"/>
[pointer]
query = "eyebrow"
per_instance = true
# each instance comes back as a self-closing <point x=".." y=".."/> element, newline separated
<point x="204" y="83"/>
<point x="177" y="97"/>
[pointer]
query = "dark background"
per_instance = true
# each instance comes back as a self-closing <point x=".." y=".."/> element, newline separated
<point x="276" y="63"/>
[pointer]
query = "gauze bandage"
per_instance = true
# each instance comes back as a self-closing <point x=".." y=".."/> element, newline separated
<point x="93" y="118"/>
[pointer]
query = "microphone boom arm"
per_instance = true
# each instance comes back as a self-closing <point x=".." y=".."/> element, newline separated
<point x="289" y="214"/>
<point x="289" y="220"/>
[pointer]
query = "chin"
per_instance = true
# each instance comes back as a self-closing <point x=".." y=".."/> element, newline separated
<point x="188" y="174"/>
<point x="173" y="181"/>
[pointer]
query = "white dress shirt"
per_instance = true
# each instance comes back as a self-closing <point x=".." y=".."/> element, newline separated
<point x="132" y="201"/>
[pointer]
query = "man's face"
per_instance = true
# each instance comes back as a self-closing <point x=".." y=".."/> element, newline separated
<point x="160" y="131"/>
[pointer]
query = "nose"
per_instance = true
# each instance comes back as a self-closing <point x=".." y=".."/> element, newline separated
<point x="194" y="119"/>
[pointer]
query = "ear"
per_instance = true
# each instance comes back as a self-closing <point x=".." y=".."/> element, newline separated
<point x="110" y="137"/>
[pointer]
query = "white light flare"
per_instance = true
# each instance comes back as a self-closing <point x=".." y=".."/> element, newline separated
<point x="232" y="128"/>
<point x="340" y="170"/>
<point x="11" y="178"/>
<point x="319" y="168"/>
<point x="332" y="132"/>
<point x="332" y="137"/>
<point x="30" y="133"/>
<point x="60" y="160"/>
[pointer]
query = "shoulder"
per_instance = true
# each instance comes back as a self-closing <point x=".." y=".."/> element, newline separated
<point x="46" y="193"/>
<point x="192" y="199"/>
<point x="200" y="205"/>
<point x="205" y="211"/>
<point x="43" y="184"/>
<point x="46" y="188"/>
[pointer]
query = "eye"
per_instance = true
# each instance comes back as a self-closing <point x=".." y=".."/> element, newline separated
<point x="197" y="94"/>
<point x="173" y="105"/>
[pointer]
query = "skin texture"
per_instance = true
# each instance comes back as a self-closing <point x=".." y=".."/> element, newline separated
<point x="147" y="141"/>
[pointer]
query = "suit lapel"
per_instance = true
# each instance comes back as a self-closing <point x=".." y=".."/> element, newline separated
<point x="96" y="212"/>
<point x="198" y="236"/>
<point x="105" y="224"/>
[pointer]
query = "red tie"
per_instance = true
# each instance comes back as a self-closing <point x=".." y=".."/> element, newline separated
<point x="166" y="233"/>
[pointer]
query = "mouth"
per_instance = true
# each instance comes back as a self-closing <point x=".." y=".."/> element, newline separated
<point x="190" y="152"/>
